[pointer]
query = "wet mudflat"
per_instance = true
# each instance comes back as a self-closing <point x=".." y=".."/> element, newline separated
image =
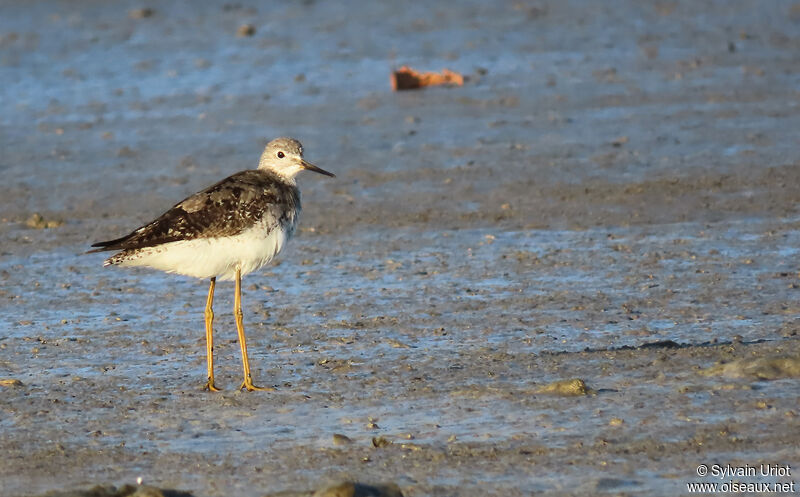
<point x="612" y="197"/>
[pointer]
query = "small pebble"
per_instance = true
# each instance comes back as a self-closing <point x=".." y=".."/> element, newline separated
<point x="339" y="439"/>
<point x="246" y="30"/>
<point x="380" y="442"/>
<point x="141" y="13"/>
<point x="37" y="221"/>
<point x="572" y="387"/>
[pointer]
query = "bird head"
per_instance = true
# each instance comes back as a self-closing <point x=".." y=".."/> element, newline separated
<point x="284" y="156"/>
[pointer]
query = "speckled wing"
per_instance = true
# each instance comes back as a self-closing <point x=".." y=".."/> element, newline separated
<point x="227" y="208"/>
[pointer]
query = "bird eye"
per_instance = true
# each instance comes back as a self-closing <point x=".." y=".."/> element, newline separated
<point x="281" y="155"/>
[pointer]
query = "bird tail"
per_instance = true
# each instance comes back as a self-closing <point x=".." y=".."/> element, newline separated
<point x="115" y="244"/>
<point x="110" y="245"/>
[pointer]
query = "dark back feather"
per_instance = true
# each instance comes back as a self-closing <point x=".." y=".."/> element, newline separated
<point x="225" y="209"/>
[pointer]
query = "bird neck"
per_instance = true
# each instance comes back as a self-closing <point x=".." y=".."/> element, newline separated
<point x="282" y="175"/>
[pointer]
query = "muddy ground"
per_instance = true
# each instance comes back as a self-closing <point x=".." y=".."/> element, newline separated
<point x="611" y="197"/>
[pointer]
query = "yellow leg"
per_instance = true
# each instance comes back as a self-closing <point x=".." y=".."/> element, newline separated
<point x="210" y="337"/>
<point x="237" y="311"/>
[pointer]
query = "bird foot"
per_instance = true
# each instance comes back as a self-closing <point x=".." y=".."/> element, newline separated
<point x="210" y="386"/>
<point x="248" y="385"/>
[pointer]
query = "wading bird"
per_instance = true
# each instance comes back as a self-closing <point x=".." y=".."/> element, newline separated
<point x="226" y="231"/>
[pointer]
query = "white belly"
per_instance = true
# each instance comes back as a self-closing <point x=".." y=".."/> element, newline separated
<point x="211" y="257"/>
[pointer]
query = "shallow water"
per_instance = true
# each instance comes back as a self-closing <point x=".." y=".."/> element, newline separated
<point x="612" y="196"/>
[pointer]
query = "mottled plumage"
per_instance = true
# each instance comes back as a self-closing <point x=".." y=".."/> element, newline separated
<point x="225" y="209"/>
